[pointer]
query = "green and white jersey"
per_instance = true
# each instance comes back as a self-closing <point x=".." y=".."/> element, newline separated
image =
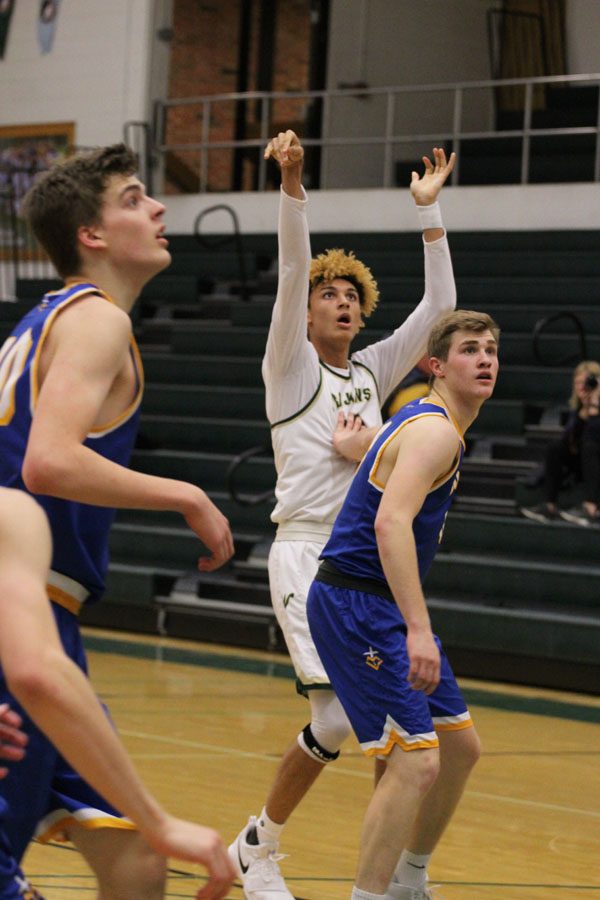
<point x="304" y="396"/>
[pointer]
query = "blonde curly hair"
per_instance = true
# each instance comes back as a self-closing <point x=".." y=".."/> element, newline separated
<point x="586" y="367"/>
<point x="337" y="263"/>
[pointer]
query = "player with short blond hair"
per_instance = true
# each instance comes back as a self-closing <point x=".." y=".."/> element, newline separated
<point x="369" y="619"/>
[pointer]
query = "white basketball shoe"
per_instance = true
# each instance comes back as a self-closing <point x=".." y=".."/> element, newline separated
<point x="401" y="892"/>
<point x="257" y="866"/>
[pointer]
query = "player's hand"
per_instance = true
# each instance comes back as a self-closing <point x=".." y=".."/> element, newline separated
<point x="426" y="188"/>
<point x="12" y="740"/>
<point x="347" y="438"/>
<point x="213" y="529"/>
<point x="196" y="843"/>
<point x="424" y="656"/>
<point x="286" y="149"/>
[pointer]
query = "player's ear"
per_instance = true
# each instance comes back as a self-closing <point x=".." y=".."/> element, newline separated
<point x="91" y="236"/>
<point x="437" y="366"/>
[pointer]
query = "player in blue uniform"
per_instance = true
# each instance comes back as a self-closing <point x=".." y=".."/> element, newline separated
<point x="369" y="619"/>
<point x="13" y="742"/>
<point x="70" y="388"/>
<point x="60" y="699"/>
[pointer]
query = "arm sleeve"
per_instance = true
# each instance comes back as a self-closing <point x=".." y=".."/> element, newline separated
<point x="392" y="358"/>
<point x="290" y="365"/>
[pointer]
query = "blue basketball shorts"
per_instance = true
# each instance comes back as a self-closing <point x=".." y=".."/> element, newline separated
<point x="361" y="640"/>
<point x="42" y="794"/>
<point x="13" y="884"/>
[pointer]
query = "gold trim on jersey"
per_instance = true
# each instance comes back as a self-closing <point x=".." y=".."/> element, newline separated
<point x="66" y="592"/>
<point x="443" y="478"/>
<point x="443" y="406"/>
<point x="34" y="380"/>
<point x="61" y="598"/>
<point x="376" y="462"/>
<point x="17" y="347"/>
<point x="453" y="723"/>
<point x="57" y="831"/>
<point x="422" y="742"/>
<point x="99" y="430"/>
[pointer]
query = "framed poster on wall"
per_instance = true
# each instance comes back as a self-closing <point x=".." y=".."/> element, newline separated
<point x="25" y="151"/>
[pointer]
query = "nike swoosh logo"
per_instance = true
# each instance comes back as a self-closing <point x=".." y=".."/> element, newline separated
<point x="413" y="866"/>
<point x="242" y="866"/>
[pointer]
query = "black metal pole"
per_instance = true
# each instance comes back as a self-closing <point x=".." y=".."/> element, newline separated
<point x="245" y="38"/>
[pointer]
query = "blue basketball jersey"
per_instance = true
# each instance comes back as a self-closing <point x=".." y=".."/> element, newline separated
<point x="80" y="531"/>
<point x="352" y="546"/>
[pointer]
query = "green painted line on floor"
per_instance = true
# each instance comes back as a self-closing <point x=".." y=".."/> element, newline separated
<point x="539" y="706"/>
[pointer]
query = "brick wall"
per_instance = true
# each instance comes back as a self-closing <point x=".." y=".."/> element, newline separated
<point x="204" y="58"/>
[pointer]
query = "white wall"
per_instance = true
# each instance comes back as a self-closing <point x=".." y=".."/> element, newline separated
<point x="583" y="36"/>
<point x="106" y="66"/>
<point x="103" y="61"/>
<point x="403" y="43"/>
<point x="96" y="74"/>
<point x="497" y="208"/>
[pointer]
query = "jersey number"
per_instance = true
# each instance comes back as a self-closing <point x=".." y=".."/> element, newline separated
<point x="13" y="357"/>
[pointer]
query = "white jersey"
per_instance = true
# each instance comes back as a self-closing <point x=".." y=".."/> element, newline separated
<point x="304" y="396"/>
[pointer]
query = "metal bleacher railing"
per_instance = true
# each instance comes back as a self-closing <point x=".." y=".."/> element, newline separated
<point x="20" y="257"/>
<point x="214" y="241"/>
<point x="214" y="108"/>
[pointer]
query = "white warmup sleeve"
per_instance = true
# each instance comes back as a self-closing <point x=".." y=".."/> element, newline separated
<point x="290" y="365"/>
<point x="393" y="358"/>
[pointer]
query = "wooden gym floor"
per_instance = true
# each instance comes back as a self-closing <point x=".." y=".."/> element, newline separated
<point x="206" y="726"/>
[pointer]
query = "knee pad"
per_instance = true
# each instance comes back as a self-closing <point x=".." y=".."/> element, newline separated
<point x="329" y="723"/>
<point x="310" y="745"/>
<point x="328" y="729"/>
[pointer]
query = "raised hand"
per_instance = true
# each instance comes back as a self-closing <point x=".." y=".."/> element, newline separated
<point x="426" y="188"/>
<point x="286" y="149"/>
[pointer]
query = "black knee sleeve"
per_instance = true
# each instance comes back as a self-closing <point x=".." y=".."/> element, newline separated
<point x="314" y="748"/>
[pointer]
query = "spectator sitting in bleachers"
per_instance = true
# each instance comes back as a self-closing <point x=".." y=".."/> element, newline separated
<point x="576" y="453"/>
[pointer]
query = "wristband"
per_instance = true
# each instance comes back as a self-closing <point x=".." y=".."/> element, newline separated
<point x="430" y="216"/>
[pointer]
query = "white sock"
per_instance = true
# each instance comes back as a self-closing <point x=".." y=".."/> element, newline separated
<point x="357" y="894"/>
<point x="412" y="869"/>
<point x="267" y="830"/>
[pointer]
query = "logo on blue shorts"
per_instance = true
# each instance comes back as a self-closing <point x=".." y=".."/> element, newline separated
<point x="373" y="659"/>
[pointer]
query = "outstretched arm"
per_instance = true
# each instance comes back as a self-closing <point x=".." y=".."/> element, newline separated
<point x="425" y="190"/>
<point x="291" y="365"/>
<point x="288" y="152"/>
<point x="393" y="358"/>
<point x="60" y="700"/>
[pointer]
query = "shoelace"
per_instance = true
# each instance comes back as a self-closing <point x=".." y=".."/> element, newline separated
<point x="428" y="893"/>
<point x="268" y="866"/>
